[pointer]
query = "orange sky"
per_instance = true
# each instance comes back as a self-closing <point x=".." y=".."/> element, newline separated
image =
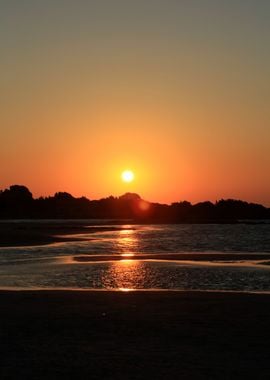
<point x="178" y="93"/>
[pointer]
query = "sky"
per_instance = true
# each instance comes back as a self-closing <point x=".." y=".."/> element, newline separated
<point x="175" y="90"/>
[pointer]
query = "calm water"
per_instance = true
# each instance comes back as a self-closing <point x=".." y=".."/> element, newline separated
<point x="53" y="265"/>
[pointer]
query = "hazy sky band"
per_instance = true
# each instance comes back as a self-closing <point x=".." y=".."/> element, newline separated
<point x="177" y="90"/>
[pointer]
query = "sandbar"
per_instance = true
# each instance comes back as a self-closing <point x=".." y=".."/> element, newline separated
<point x="32" y="233"/>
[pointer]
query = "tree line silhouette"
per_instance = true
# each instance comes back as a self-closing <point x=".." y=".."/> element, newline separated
<point x="17" y="202"/>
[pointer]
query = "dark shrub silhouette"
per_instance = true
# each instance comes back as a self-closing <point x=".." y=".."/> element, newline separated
<point x="17" y="202"/>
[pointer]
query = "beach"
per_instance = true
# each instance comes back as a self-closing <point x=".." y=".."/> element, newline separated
<point x="33" y="233"/>
<point x="59" y="320"/>
<point x="134" y="335"/>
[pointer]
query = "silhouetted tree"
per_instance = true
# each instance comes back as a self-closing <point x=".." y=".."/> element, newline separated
<point x="17" y="202"/>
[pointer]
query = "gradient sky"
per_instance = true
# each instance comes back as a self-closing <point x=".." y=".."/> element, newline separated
<point x="177" y="90"/>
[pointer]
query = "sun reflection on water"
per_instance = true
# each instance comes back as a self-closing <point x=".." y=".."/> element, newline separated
<point x="125" y="275"/>
<point x="125" y="289"/>
<point x="127" y="241"/>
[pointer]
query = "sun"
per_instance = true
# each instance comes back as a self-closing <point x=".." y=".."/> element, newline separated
<point x="127" y="176"/>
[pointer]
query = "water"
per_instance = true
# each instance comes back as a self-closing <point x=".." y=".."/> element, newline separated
<point x="53" y="266"/>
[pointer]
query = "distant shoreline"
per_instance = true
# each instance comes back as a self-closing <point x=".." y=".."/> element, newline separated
<point x="38" y="233"/>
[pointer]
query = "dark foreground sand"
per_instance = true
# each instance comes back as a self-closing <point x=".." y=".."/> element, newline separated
<point x="135" y="335"/>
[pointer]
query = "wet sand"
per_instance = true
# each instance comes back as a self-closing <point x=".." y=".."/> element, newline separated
<point x="35" y="233"/>
<point x="41" y="233"/>
<point x="134" y="335"/>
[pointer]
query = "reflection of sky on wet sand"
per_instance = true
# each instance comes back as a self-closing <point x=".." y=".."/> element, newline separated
<point x="159" y="268"/>
<point x="127" y="241"/>
<point x="124" y="275"/>
<point x="129" y="274"/>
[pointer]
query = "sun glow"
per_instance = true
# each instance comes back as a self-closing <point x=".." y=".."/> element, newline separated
<point x="127" y="176"/>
